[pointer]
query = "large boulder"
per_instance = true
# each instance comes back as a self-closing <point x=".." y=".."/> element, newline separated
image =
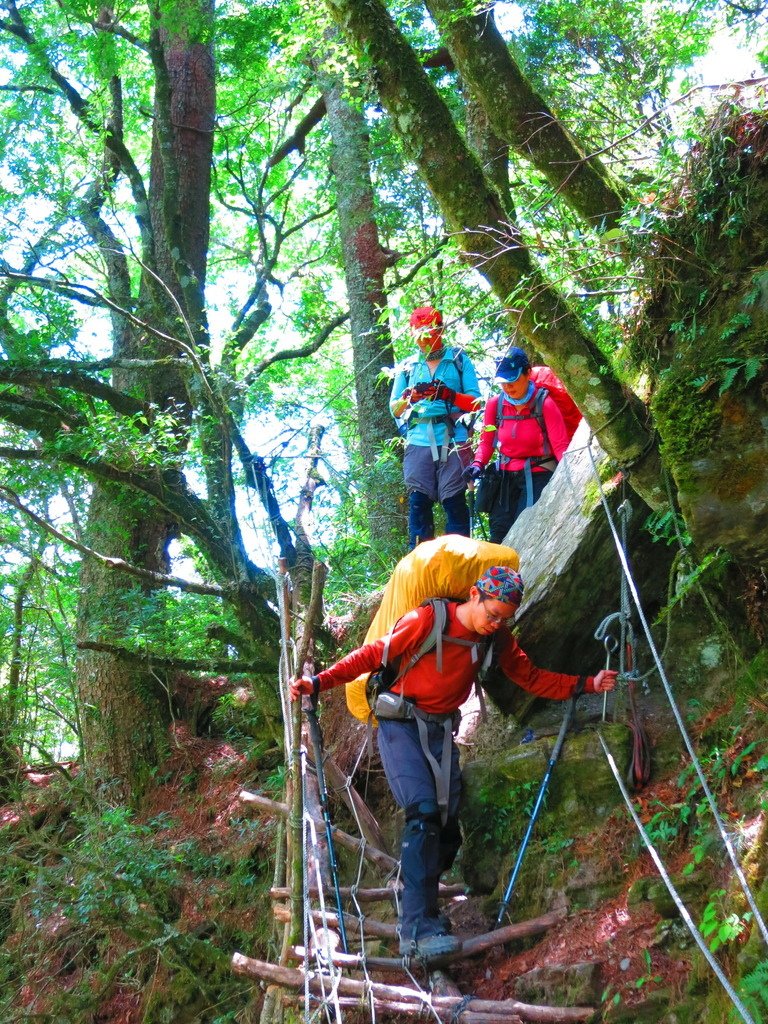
<point x="570" y="565"/>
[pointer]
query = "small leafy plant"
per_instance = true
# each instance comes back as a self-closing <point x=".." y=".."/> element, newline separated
<point x="717" y="925"/>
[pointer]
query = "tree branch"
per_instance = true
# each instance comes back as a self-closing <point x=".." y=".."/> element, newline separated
<point x="169" y="490"/>
<point x="82" y="111"/>
<point x="13" y="373"/>
<point x="88" y="296"/>
<point x="298" y="353"/>
<point x="179" y="664"/>
<point x="297" y="140"/>
<point x="157" y="579"/>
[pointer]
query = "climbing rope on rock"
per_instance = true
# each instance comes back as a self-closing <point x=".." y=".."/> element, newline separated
<point x="639" y="770"/>
<point x="683" y="910"/>
<point x="725" y="838"/>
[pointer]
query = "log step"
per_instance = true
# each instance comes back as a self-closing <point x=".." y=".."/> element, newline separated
<point x="282" y="892"/>
<point x="409" y="1000"/>
<point x="469" y="947"/>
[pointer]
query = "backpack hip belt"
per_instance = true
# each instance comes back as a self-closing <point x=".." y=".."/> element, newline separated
<point x="430" y="421"/>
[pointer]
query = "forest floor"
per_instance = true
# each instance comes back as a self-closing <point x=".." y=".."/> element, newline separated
<point x="198" y="800"/>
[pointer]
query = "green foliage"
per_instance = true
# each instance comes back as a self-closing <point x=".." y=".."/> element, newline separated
<point x="754" y="991"/>
<point x="112" y="900"/>
<point x="667" y="526"/>
<point x="737" y="369"/>
<point x="719" y="926"/>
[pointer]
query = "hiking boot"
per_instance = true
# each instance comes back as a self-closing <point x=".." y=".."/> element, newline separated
<point x="429" y="946"/>
<point x="440" y="923"/>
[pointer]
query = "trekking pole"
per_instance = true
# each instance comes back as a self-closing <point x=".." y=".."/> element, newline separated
<point x="471" y="505"/>
<point x="310" y="708"/>
<point x="570" y="707"/>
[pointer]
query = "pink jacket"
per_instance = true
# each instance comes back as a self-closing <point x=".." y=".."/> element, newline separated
<point x="521" y="439"/>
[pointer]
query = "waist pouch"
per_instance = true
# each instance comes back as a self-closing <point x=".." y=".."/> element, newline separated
<point x="488" y="488"/>
<point x="395" y="707"/>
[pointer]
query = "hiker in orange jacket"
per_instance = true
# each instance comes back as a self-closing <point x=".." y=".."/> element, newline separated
<point x="418" y="735"/>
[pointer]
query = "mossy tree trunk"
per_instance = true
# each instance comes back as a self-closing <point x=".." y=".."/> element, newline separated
<point x="523" y="118"/>
<point x="125" y="707"/>
<point x="365" y="262"/>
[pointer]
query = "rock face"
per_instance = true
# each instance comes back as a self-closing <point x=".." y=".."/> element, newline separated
<point x="502" y="784"/>
<point x="570" y="565"/>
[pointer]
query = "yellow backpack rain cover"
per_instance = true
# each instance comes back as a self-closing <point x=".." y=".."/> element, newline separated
<point x="445" y="567"/>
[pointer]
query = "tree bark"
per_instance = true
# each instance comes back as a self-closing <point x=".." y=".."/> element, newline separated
<point x="474" y="211"/>
<point x="126" y="708"/>
<point x="522" y="117"/>
<point x="364" y="264"/>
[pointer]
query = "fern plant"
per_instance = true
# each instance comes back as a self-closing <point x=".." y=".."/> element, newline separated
<point x="754" y="992"/>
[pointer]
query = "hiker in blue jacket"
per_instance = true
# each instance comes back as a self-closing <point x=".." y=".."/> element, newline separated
<point x="431" y="393"/>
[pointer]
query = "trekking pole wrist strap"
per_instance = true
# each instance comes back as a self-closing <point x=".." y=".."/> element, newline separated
<point x="578" y="689"/>
<point x="315" y="680"/>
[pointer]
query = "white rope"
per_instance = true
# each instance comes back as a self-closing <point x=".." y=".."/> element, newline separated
<point x="732" y="995"/>
<point x="324" y="957"/>
<point x="676" y="711"/>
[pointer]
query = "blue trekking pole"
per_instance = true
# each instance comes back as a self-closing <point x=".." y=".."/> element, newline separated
<point x="571" y="706"/>
<point x="310" y="709"/>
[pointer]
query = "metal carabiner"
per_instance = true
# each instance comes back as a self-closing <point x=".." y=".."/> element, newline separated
<point x="611" y="645"/>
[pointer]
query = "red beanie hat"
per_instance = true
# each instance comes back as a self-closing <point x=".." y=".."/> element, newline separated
<point x="426" y="316"/>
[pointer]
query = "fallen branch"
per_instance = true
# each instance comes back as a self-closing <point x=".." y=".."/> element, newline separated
<point x="382" y="860"/>
<point x="469" y="947"/>
<point x="330" y="919"/>
<point x="383" y="893"/>
<point x="384" y="1006"/>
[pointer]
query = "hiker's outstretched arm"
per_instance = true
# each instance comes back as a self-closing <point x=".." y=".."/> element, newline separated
<point x="408" y="633"/>
<point x="519" y="668"/>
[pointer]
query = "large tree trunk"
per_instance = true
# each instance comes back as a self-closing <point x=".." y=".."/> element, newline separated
<point x="473" y="210"/>
<point x="126" y="708"/>
<point x="10" y="700"/>
<point x="364" y="264"/>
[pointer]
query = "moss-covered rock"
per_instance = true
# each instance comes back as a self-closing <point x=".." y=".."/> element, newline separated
<point x="692" y="889"/>
<point x="501" y="788"/>
<point x="703" y="334"/>
<point x="574" y="985"/>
